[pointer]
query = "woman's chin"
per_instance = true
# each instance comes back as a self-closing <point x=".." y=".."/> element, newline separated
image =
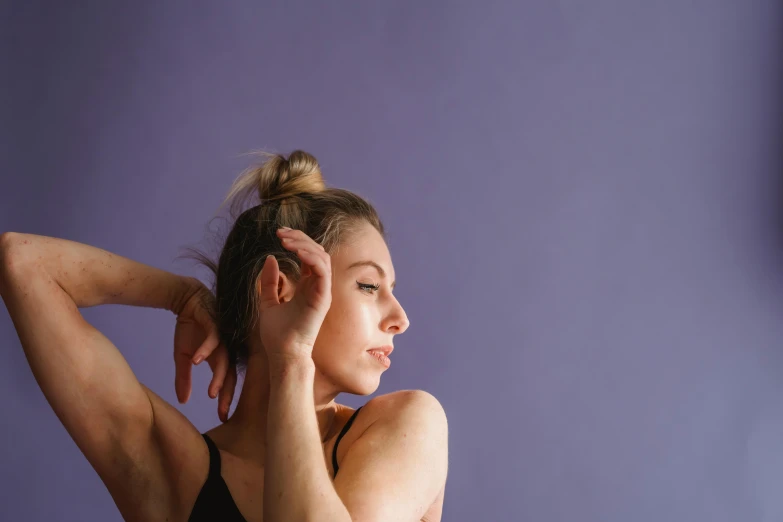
<point x="356" y="381"/>
<point x="368" y="384"/>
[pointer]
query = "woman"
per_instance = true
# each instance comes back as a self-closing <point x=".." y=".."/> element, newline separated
<point x="306" y="311"/>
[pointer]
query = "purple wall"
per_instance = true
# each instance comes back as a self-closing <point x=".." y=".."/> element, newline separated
<point x="585" y="206"/>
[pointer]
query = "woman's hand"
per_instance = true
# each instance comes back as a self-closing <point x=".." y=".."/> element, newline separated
<point x="195" y="339"/>
<point x="288" y="330"/>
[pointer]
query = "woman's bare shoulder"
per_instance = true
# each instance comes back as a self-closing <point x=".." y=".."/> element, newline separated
<point x="400" y="405"/>
<point x="392" y="403"/>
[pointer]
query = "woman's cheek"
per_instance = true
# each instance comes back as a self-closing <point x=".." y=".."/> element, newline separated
<point x="368" y="323"/>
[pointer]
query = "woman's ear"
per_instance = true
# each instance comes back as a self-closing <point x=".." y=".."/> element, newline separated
<point x="285" y="287"/>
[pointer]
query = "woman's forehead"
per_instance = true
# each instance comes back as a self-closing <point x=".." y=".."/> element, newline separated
<point x="366" y="246"/>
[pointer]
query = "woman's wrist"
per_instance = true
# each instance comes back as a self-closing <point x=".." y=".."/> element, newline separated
<point x="284" y="367"/>
<point x="183" y="288"/>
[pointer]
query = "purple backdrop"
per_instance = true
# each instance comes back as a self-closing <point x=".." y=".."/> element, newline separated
<point x="584" y="202"/>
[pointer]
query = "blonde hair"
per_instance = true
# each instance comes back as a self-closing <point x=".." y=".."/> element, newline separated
<point x="292" y="193"/>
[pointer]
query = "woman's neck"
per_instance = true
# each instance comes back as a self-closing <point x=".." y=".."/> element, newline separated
<point x="246" y="429"/>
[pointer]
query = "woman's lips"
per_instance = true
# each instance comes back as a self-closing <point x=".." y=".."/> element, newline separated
<point x="380" y="357"/>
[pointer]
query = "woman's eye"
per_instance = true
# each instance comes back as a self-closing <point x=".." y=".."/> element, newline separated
<point x="367" y="287"/>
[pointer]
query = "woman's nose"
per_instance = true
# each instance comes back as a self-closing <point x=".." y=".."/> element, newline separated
<point x="397" y="321"/>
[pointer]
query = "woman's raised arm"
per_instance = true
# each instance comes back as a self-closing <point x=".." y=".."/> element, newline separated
<point x="118" y="424"/>
<point x="92" y="276"/>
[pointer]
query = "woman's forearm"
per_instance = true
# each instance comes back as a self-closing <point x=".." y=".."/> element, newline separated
<point x="297" y="487"/>
<point x="92" y="276"/>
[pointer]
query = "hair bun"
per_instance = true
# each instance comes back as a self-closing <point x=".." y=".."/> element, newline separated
<point x="275" y="178"/>
<point x="281" y="177"/>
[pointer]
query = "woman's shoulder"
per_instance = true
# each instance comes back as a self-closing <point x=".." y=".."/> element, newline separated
<point x="401" y="398"/>
<point x="416" y="414"/>
<point x="384" y="408"/>
<point x="399" y="403"/>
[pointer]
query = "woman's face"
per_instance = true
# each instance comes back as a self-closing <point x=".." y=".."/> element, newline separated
<point x="364" y="314"/>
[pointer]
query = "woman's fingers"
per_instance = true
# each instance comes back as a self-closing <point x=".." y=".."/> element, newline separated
<point x="226" y="394"/>
<point x="311" y="253"/>
<point x="304" y="244"/>
<point x="208" y="346"/>
<point x="182" y="376"/>
<point x="298" y="235"/>
<point x="218" y="373"/>
<point x="316" y="262"/>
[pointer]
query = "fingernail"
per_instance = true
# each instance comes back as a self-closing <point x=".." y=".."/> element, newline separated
<point x="198" y="359"/>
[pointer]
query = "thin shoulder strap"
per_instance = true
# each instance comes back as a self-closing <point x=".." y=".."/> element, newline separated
<point x="214" y="456"/>
<point x="340" y="436"/>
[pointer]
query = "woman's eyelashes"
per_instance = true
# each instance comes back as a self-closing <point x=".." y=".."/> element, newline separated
<point x="368" y="288"/>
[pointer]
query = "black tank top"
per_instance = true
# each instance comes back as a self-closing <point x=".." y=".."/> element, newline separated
<point x="214" y="501"/>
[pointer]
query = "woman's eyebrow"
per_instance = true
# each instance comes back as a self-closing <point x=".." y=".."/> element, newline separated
<point x="373" y="264"/>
